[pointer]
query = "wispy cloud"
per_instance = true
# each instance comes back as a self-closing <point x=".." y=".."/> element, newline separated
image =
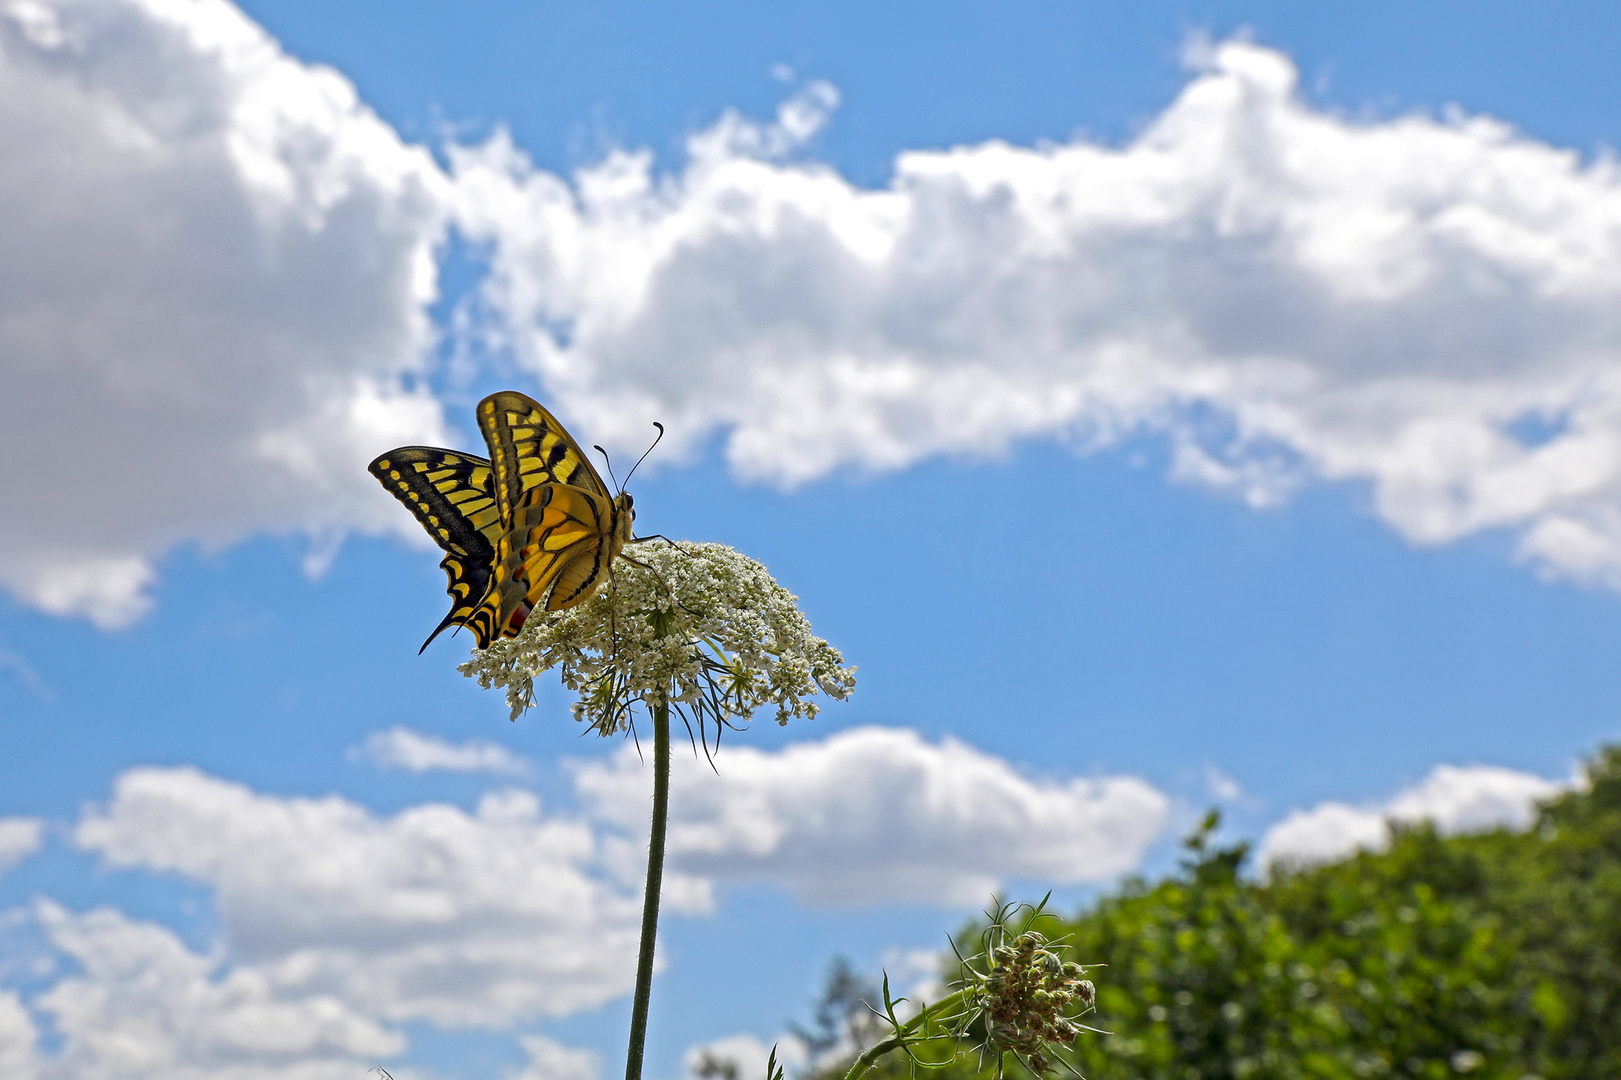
<point x="24" y="673"/>
<point x="548" y="1059"/>
<point x="745" y="1053"/>
<point x="19" y="1036"/>
<point x="463" y="919"/>
<point x="141" y="1005"/>
<point x="401" y="748"/>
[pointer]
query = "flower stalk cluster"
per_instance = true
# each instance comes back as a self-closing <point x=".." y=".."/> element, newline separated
<point x="699" y="626"/>
<point x="1026" y="1002"/>
<point x="1028" y="996"/>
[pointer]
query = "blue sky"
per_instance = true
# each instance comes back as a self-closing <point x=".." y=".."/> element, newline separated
<point x="1163" y="406"/>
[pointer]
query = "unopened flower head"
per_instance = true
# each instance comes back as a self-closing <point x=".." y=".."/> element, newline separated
<point x="706" y="628"/>
<point x="1025" y="997"/>
<point x="1028" y="994"/>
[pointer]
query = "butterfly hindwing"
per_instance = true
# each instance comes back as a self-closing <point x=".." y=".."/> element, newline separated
<point x="565" y="539"/>
<point x="452" y="495"/>
<point x="559" y="547"/>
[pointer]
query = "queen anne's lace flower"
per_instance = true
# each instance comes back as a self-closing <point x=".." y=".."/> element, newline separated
<point x="707" y="629"/>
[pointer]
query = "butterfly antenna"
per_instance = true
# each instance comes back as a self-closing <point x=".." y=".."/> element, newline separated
<point x="649" y="450"/>
<point x="610" y="465"/>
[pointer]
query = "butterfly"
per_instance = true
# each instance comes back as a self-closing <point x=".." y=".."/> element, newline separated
<point x="531" y="526"/>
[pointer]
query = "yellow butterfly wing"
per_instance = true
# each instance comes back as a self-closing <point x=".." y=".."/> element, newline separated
<point x="452" y="495"/>
<point x="528" y="448"/>
<point x="534" y="523"/>
<point x="561" y="544"/>
<point x="563" y="527"/>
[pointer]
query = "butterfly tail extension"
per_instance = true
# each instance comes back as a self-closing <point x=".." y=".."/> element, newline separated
<point x="448" y="621"/>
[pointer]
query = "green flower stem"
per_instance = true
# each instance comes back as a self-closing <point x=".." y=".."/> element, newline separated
<point x="945" y="1005"/>
<point x="655" y="880"/>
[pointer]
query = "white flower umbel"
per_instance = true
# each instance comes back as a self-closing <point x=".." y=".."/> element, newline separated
<point x="700" y="629"/>
<point x="707" y="629"/>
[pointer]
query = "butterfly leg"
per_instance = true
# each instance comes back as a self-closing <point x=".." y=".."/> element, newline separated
<point x="660" y="536"/>
<point x="637" y="562"/>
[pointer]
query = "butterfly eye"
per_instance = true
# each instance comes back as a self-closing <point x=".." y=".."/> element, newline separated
<point x="630" y="503"/>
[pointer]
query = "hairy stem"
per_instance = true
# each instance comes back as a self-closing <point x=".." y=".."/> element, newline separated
<point x="650" y="899"/>
<point x="945" y="1006"/>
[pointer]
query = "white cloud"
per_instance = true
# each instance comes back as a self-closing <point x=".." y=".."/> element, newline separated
<point x="213" y="270"/>
<point x="1456" y="798"/>
<point x="401" y="748"/>
<point x="1430" y="306"/>
<point x="551" y="1060"/>
<point x="1221" y="787"/>
<point x="25" y="674"/>
<point x="18" y="1037"/>
<point x="878" y="813"/>
<point x="339" y="926"/>
<point x="914" y="974"/>
<point x="19" y="838"/>
<point x="142" y="1006"/>
<point x="746" y="1055"/>
<point x="437" y="914"/>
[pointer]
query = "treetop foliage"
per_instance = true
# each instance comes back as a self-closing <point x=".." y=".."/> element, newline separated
<point x="1493" y="955"/>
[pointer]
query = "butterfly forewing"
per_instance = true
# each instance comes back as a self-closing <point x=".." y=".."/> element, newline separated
<point x="453" y="496"/>
<point x="528" y="448"/>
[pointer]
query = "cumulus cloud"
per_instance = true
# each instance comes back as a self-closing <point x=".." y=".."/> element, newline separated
<point x="879" y="814"/>
<point x="340" y="926"/>
<point x="19" y="838"/>
<point x="18" y="1036"/>
<point x="1431" y="306"/>
<point x="213" y="271"/>
<point x="741" y="1056"/>
<point x="1425" y="305"/>
<point x="401" y="748"/>
<point x="1456" y="798"/>
<point x="142" y="1006"/>
<point x="551" y="1060"/>
<point x="436" y="914"/>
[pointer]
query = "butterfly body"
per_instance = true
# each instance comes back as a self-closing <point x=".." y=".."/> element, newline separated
<point x="561" y="546"/>
<point x="532" y="526"/>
